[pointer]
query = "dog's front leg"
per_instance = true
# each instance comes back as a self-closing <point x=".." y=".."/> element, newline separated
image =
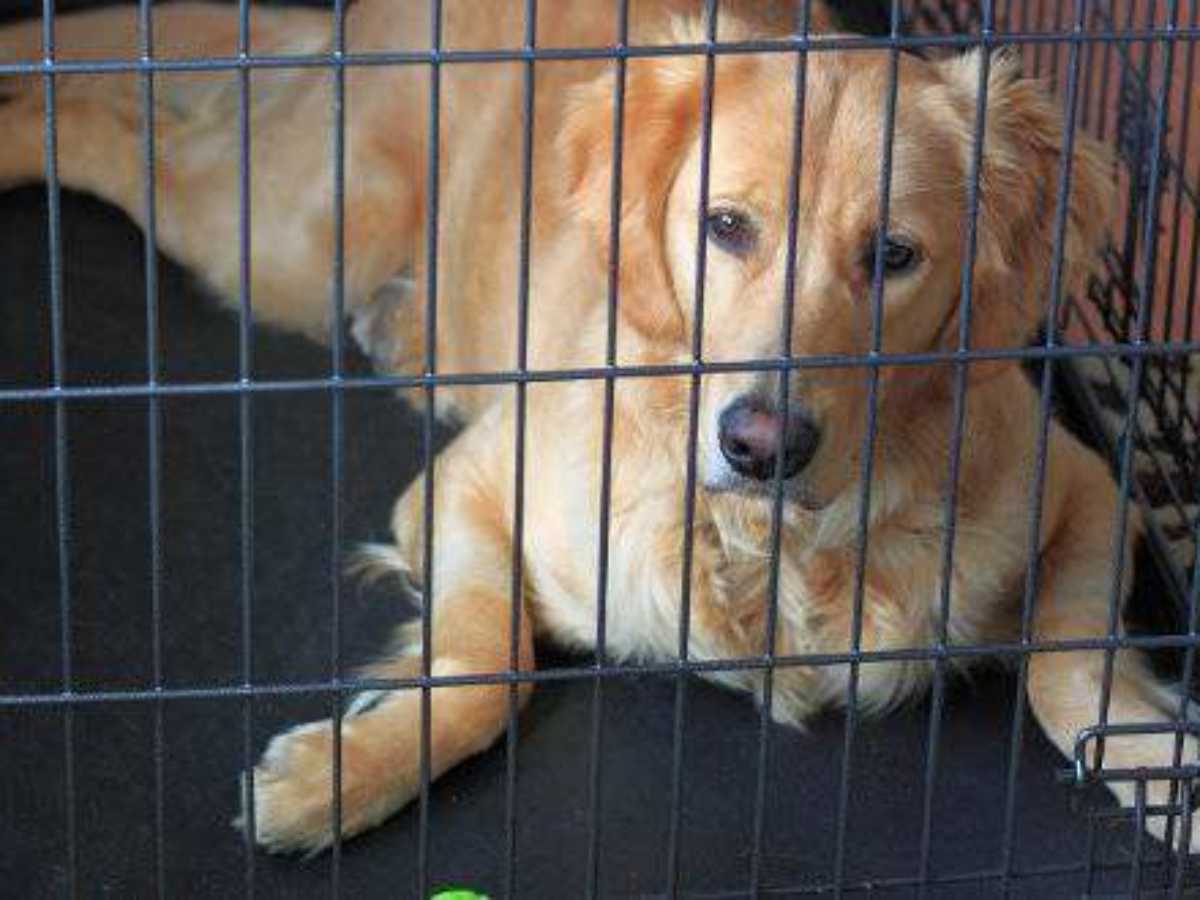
<point x="381" y="739"/>
<point x="1065" y="688"/>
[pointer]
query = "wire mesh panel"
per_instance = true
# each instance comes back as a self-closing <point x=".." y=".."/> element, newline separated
<point x="1140" y="97"/>
<point x="188" y="485"/>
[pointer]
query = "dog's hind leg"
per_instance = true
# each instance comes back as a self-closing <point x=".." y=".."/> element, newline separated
<point x="381" y="735"/>
<point x="100" y="125"/>
<point x="99" y="115"/>
<point x="97" y="151"/>
<point x="1065" y="688"/>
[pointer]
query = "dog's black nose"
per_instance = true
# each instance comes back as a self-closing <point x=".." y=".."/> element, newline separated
<point x="752" y="434"/>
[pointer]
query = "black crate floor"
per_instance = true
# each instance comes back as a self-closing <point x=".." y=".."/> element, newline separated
<point x="121" y="851"/>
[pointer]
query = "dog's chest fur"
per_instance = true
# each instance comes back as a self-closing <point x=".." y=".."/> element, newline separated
<point x="734" y="601"/>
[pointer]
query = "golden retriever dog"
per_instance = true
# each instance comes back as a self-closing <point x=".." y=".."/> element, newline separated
<point x="709" y="269"/>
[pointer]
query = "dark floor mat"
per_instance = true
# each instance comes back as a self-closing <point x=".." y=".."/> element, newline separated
<point x="120" y="749"/>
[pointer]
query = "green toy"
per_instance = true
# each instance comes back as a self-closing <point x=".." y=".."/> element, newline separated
<point x="459" y="894"/>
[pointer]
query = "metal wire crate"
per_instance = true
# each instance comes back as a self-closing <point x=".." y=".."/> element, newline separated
<point x="1124" y="359"/>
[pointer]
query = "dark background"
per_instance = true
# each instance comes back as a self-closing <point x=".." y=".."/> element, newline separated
<point x="294" y="563"/>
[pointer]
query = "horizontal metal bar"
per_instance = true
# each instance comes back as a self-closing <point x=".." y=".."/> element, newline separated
<point x="522" y="54"/>
<point x="587" y="673"/>
<point x="1125" y="813"/>
<point x="593" y="373"/>
<point x="1119" y="729"/>
<point x="1083" y="772"/>
<point x="903" y="881"/>
<point x="1142" y="773"/>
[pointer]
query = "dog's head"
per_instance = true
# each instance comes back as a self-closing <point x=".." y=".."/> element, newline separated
<point x="754" y="256"/>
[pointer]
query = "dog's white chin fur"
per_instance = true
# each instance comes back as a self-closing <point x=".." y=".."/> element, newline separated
<point x="795" y="491"/>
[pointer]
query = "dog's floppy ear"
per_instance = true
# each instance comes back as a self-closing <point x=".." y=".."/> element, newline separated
<point x="661" y="117"/>
<point x="1024" y="143"/>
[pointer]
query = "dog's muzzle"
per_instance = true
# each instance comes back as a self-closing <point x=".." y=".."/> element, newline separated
<point x="752" y="435"/>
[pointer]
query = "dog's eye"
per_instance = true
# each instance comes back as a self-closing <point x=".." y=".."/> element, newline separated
<point x="731" y="230"/>
<point x="899" y="256"/>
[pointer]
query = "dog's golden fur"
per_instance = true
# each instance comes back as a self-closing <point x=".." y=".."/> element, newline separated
<point x="478" y="271"/>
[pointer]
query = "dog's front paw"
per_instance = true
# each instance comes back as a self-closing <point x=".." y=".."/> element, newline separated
<point x="293" y="791"/>
<point x="293" y="787"/>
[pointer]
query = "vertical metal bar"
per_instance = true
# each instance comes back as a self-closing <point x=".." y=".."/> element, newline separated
<point x="337" y="412"/>
<point x="153" y="426"/>
<point x="1039" y="26"/>
<point x="431" y="286"/>
<point x="1191" y="295"/>
<point x="1054" y="47"/>
<point x="776" y="539"/>
<point x="596" y="774"/>
<point x="517" y="592"/>
<point x="1193" y="602"/>
<point x="62" y="474"/>
<point x="1185" y="703"/>
<point x="246" y="427"/>
<point x="1106" y="72"/>
<point x="1132" y="223"/>
<point x="1181" y="400"/>
<point x="1181" y="858"/>
<point x="1089" y="68"/>
<point x="1177" y="216"/>
<point x="867" y="470"/>
<point x="1008" y="17"/>
<point x="689" y="500"/>
<point x="950" y="508"/>
<point x="1089" y="853"/>
<point x="1146" y="291"/>
<point x="1037" y="489"/>
<point x="1139" y="837"/>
